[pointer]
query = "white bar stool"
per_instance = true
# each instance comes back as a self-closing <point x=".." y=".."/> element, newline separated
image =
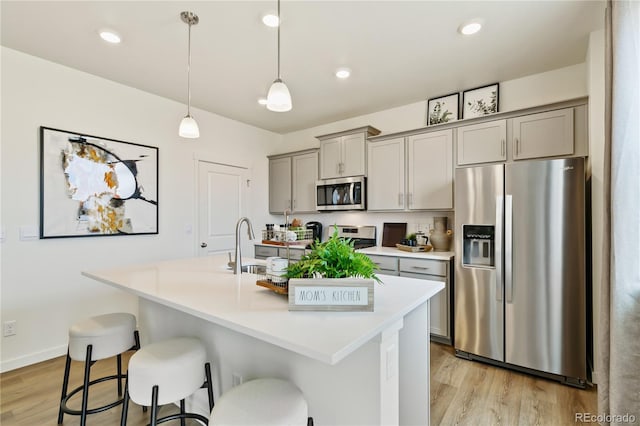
<point x="265" y="402"/>
<point x="90" y="340"/>
<point x="167" y="371"/>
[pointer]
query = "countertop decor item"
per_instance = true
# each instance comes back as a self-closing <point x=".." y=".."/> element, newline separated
<point x="393" y="233"/>
<point x="188" y="126"/>
<point x="440" y="236"/>
<point x="332" y="277"/>
<point x="414" y="249"/>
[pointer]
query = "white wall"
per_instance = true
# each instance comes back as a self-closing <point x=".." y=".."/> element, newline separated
<point x="41" y="285"/>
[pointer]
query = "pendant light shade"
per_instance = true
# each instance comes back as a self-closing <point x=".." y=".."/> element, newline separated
<point x="279" y="98"/>
<point x="188" y="126"/>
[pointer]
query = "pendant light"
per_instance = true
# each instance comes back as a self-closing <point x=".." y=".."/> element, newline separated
<point x="279" y="98"/>
<point x="188" y="126"/>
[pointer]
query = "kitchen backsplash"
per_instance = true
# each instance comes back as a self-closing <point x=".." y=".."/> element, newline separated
<point x="416" y="221"/>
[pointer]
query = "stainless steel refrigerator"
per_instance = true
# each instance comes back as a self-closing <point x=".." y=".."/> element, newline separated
<point x="520" y="280"/>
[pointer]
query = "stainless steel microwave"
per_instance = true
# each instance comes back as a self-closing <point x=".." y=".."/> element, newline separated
<point x="341" y="194"/>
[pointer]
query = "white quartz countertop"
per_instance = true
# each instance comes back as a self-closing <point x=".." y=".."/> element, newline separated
<point x="392" y="251"/>
<point x="203" y="287"/>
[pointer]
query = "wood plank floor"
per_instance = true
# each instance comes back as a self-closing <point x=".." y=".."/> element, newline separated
<point x="462" y="393"/>
<point x="472" y="393"/>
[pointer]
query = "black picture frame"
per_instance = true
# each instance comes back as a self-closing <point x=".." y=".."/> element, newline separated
<point x="481" y="101"/>
<point x="443" y="109"/>
<point x="95" y="186"/>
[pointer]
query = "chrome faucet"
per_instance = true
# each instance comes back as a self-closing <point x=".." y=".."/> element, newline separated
<point x="238" y="264"/>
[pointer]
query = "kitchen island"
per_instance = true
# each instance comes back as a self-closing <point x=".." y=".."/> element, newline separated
<point x="354" y="368"/>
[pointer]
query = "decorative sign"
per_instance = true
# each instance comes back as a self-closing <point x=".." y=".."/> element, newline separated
<point x="331" y="294"/>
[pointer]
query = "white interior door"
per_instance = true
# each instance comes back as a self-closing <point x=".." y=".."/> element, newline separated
<point x="222" y="195"/>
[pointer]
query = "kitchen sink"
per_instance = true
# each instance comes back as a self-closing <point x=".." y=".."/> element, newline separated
<point x="254" y="269"/>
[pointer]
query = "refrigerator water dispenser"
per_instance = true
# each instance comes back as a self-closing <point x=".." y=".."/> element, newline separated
<point x="478" y="246"/>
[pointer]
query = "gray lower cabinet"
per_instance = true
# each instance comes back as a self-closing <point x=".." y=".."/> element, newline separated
<point x="425" y="269"/>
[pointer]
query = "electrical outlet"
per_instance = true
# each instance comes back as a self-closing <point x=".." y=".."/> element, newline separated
<point x="9" y="328"/>
<point x="236" y="379"/>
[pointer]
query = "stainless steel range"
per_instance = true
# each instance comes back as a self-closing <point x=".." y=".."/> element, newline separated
<point x="362" y="236"/>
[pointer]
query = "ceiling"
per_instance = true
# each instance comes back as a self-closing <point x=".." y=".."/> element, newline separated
<point x="399" y="52"/>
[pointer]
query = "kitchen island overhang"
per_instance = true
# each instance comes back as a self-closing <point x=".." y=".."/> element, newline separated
<point x="315" y="350"/>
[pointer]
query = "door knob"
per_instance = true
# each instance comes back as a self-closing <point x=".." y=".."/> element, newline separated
<point x="203" y="245"/>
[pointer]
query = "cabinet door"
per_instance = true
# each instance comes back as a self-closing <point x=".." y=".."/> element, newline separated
<point x="439" y="304"/>
<point x="385" y="182"/>
<point x="279" y="185"/>
<point x="330" y="158"/>
<point x="387" y="265"/>
<point x="482" y="143"/>
<point x="305" y="175"/>
<point x="548" y="134"/>
<point x="430" y="170"/>
<point x="353" y="155"/>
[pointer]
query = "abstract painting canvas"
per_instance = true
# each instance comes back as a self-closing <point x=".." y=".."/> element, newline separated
<point x="93" y="186"/>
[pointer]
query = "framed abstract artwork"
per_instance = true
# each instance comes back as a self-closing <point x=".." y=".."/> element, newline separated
<point x="93" y="186"/>
<point x="443" y="109"/>
<point x="480" y="101"/>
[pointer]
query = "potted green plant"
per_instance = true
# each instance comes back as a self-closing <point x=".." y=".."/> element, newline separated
<point x="332" y="267"/>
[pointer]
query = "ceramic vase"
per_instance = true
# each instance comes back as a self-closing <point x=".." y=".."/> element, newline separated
<point x="440" y="239"/>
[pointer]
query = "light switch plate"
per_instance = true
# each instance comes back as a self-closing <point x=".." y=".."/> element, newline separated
<point x="29" y="233"/>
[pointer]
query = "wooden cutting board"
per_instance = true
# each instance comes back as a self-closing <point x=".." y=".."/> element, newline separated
<point x="393" y="233"/>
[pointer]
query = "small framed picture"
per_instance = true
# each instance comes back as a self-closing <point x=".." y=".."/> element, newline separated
<point x="443" y="109"/>
<point x="480" y="101"/>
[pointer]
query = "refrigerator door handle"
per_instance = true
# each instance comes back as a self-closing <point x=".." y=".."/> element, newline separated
<point x="508" y="247"/>
<point x="498" y="253"/>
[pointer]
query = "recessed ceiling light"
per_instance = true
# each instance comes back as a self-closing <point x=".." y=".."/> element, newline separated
<point x="271" y="20"/>
<point x="110" y="36"/>
<point x="471" y="27"/>
<point x="343" y="73"/>
<point x="262" y="101"/>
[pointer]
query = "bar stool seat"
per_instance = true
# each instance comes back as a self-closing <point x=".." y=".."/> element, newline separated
<point x="165" y="372"/>
<point x="265" y="402"/>
<point x="90" y="340"/>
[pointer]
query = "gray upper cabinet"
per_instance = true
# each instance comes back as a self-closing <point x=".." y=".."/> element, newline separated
<point x="343" y="154"/>
<point x="279" y="184"/>
<point x="305" y="175"/>
<point x="386" y="177"/>
<point x="430" y="171"/>
<point x="482" y="143"/>
<point x="411" y="173"/>
<point x="548" y="134"/>
<point x="555" y="133"/>
<point x="292" y="180"/>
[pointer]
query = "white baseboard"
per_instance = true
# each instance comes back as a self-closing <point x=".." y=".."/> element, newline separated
<point x="34" y="358"/>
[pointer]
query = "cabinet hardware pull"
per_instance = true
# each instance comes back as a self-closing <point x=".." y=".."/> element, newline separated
<point x="503" y="147"/>
<point x="203" y="245"/>
<point x="420" y="267"/>
<point x="517" y="146"/>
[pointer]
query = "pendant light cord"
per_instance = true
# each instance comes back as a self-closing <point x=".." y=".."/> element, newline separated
<point x="279" y="24"/>
<point x="189" y="73"/>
